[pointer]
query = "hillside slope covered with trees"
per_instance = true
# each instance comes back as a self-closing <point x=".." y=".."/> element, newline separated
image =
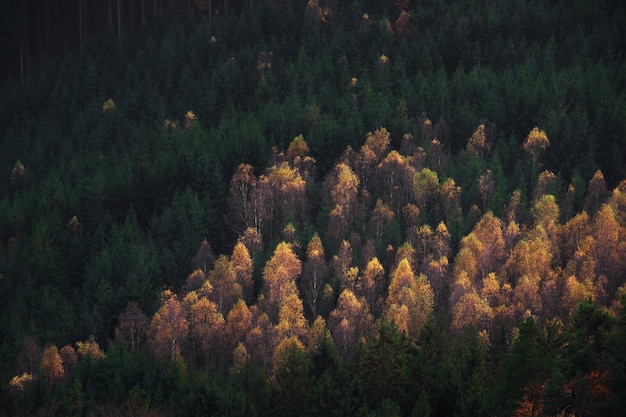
<point x="322" y="208"/>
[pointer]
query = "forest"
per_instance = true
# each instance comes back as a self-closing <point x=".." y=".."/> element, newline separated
<point x="313" y="207"/>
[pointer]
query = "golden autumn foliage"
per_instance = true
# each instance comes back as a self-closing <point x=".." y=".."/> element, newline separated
<point x="536" y="142"/>
<point x="238" y="322"/>
<point x="371" y="284"/>
<point x="20" y="383"/>
<point x="466" y="261"/>
<point x="531" y="256"/>
<point x="395" y="178"/>
<point x="317" y="333"/>
<point x="17" y="388"/>
<point x="280" y="274"/>
<point x="349" y="322"/>
<point x="205" y="326"/>
<point x="531" y="263"/>
<point x="471" y="309"/>
<point x="410" y="301"/>
<point x="286" y="192"/>
<point x="345" y="188"/>
<point x="477" y="144"/>
<point x="89" y="349"/>
<point x="226" y="288"/>
<point x="378" y="142"/>
<point x="169" y="327"/>
<point x="291" y="321"/>
<point x="241" y="263"/>
<point x="52" y="365"/>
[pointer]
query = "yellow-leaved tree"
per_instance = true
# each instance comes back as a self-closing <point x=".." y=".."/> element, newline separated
<point x="410" y="301"/>
<point x="279" y="277"/>
<point x="241" y="263"/>
<point x="52" y="365"/>
<point x="350" y="322"/>
<point x="536" y="142"/>
<point x="226" y="289"/>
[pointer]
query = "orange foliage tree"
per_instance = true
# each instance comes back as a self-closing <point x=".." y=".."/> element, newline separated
<point x="226" y="289"/>
<point x="169" y="327"/>
<point x="410" y="301"/>
<point x="350" y="322"/>
<point x="279" y="277"/>
<point x="241" y="263"/>
<point x="52" y="365"/>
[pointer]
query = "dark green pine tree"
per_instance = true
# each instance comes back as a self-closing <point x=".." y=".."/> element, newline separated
<point x="383" y="371"/>
<point x="526" y="368"/>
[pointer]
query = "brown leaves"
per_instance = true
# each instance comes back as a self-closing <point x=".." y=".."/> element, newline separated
<point x="132" y="326"/>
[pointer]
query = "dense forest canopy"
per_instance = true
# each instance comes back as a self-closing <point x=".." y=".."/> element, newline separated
<point x="281" y="207"/>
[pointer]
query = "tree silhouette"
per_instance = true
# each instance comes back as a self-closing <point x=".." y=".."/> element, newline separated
<point x="132" y="326"/>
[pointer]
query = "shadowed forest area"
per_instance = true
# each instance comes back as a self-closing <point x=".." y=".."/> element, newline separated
<point x="281" y="207"/>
